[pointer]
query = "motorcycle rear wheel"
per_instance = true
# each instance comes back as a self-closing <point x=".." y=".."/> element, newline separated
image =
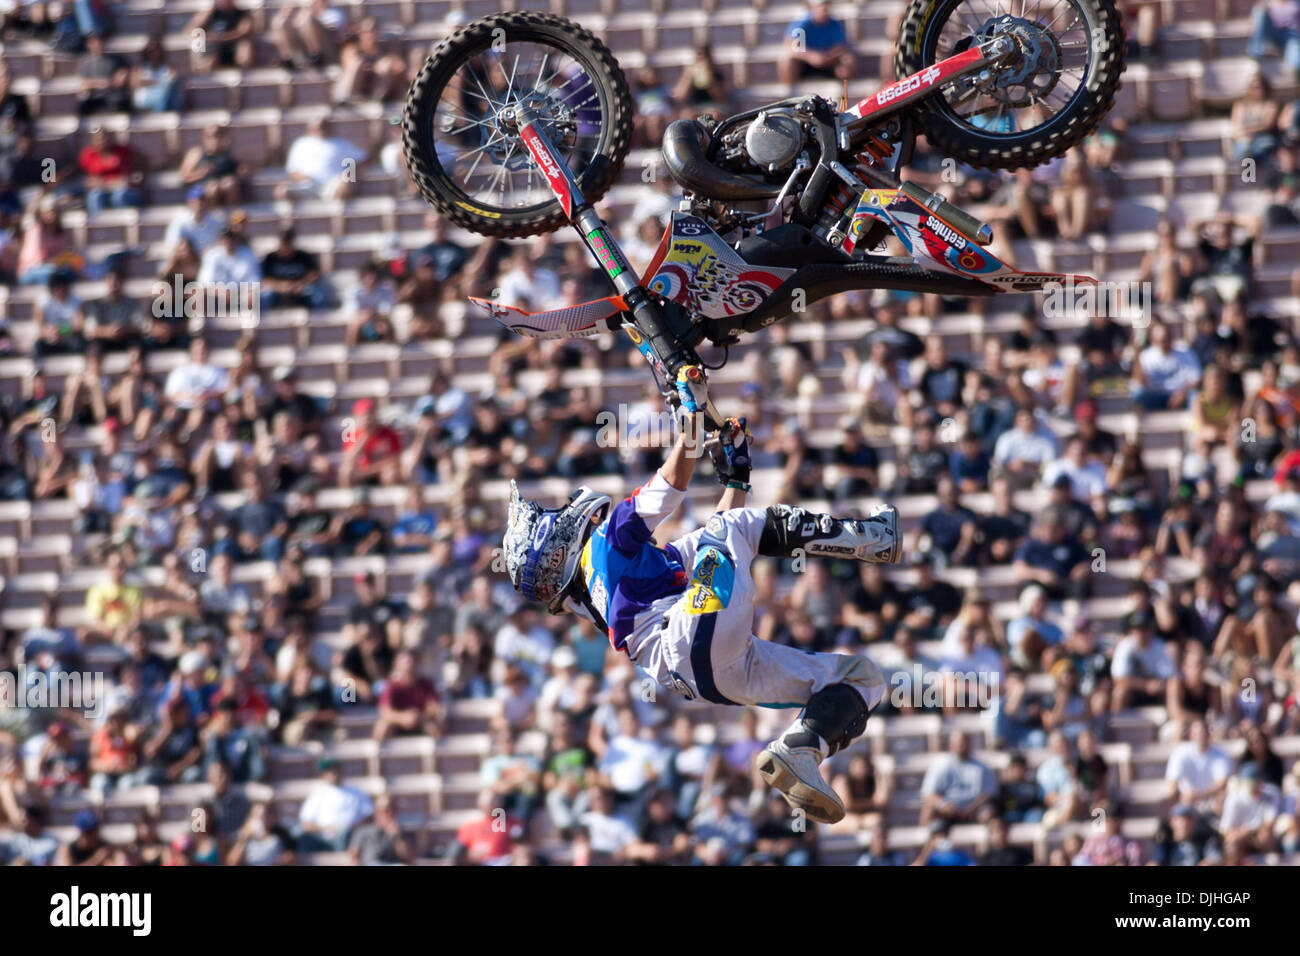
<point x="451" y="121"/>
<point x="1088" y="32"/>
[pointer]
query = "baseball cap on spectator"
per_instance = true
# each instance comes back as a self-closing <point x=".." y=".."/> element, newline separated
<point x="328" y="763"/>
<point x="1182" y="810"/>
<point x="564" y="657"/>
<point x="1086" y="411"/>
<point x="282" y="373"/>
<point x="363" y="405"/>
<point x="112" y="424"/>
<point x="86" y="821"/>
<point x="1062" y="482"/>
<point x="194" y="192"/>
<point x="191" y="663"/>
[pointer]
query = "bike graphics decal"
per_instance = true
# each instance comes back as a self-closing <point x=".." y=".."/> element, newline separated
<point x="603" y="248"/>
<point x="871" y="208"/>
<point x="549" y="166"/>
<point x="699" y="270"/>
<point x="918" y="84"/>
<point x="931" y="239"/>
<point x="577" y="321"/>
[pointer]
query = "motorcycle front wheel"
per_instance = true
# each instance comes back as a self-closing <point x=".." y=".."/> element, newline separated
<point x="470" y="164"/>
<point x="1033" y="106"/>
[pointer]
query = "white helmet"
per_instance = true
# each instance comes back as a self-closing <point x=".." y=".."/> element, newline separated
<point x="542" y="545"/>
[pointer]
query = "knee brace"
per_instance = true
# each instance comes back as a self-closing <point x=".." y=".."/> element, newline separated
<point x="837" y="714"/>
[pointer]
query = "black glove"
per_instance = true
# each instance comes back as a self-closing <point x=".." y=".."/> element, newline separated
<point x="729" y="449"/>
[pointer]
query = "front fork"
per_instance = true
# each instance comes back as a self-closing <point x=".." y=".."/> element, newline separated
<point x="660" y="335"/>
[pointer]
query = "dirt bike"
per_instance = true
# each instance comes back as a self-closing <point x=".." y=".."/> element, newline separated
<point x="519" y="122"/>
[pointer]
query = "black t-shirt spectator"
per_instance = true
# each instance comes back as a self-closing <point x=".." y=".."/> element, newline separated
<point x="1109" y="338"/>
<point x="1060" y="558"/>
<point x="1233" y="260"/>
<point x="447" y="257"/>
<point x="944" y="384"/>
<point x="940" y="595"/>
<point x="869" y="602"/>
<point x="1011" y="527"/>
<point x="378" y="613"/>
<point x="1006" y="856"/>
<point x="291" y="268"/>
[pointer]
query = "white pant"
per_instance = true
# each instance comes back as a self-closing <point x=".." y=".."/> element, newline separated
<point x="708" y="647"/>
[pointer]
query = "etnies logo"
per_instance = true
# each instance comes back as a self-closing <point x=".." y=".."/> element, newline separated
<point x="133" y="910"/>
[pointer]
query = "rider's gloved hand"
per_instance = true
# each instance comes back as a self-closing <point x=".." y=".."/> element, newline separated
<point x="729" y="449"/>
<point x="692" y="389"/>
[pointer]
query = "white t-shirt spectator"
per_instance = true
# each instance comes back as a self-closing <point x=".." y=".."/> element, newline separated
<point x="379" y="300"/>
<point x="322" y="159"/>
<point x="188" y="384"/>
<point x="1241" y="808"/>
<point x="1013" y="445"/>
<point x="963" y="783"/>
<point x="1197" y="771"/>
<point x="608" y="834"/>
<point x="221" y="266"/>
<point x="335" y="809"/>
<point x="58" y="314"/>
<point x="1133" y="660"/>
<point x="631" y="762"/>
<point x="540" y="291"/>
<point x="1170" y="371"/>
<point x="1085" y="482"/>
<point x="202" y="232"/>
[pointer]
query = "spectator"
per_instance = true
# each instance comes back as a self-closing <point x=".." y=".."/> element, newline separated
<point x="227" y="34"/>
<point x="155" y="87"/>
<point x="60" y="318"/>
<point x="1184" y="841"/>
<point x="1021" y="452"/>
<point x="291" y="277"/>
<point x="262" y="840"/>
<point x="371" y="451"/>
<point x="409" y="703"/>
<point x="111" y="173"/>
<point x="322" y="164"/>
<point x="1276" y="23"/>
<point x="369" y="70"/>
<point x="380" y="841"/>
<point x="701" y="86"/>
<point x="211" y="164"/>
<point x="1198" y="771"/>
<point x="957" y="787"/>
<point x="331" y="811"/>
<point x="998" y="850"/>
<point x="817" y="46"/>
<point x="105" y="80"/>
<point x="1048" y="558"/>
<point x="306" y="33"/>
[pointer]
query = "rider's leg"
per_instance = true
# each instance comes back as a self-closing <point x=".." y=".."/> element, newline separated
<point x="836" y="693"/>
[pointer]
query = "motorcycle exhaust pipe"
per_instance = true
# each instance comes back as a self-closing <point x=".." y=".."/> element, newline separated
<point x="684" y="155"/>
<point x="962" y="221"/>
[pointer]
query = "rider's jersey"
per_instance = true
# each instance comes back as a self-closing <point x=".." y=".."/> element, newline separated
<point x="632" y="582"/>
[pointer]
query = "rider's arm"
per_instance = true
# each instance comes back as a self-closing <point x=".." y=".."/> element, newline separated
<point x="732" y="498"/>
<point x="678" y="468"/>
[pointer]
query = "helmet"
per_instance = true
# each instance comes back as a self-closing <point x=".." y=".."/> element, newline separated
<point x="542" y="545"/>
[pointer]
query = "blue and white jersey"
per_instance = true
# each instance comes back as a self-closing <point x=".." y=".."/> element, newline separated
<point x="631" y="580"/>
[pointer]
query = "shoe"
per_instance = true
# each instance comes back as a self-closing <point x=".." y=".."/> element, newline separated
<point x="796" y="772"/>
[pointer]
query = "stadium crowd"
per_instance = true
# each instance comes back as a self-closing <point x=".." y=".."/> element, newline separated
<point x="190" y="476"/>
